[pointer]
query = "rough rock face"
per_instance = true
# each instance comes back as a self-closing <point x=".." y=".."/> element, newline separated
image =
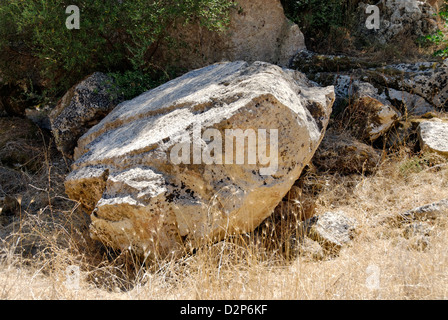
<point x="419" y="87"/>
<point x="332" y="230"/>
<point x="140" y="169"/>
<point x="83" y="106"/>
<point x="433" y="136"/>
<point x="374" y="114"/>
<point x="407" y="17"/>
<point x="428" y="211"/>
<point x="345" y="155"/>
<point x="258" y="31"/>
<point x="425" y="79"/>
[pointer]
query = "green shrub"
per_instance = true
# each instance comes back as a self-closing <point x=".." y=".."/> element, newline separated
<point x="440" y="38"/>
<point x="117" y="36"/>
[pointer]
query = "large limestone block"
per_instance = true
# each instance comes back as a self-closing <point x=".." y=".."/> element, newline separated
<point x="157" y="174"/>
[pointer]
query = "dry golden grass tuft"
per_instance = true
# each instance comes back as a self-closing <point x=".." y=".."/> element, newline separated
<point x="39" y="249"/>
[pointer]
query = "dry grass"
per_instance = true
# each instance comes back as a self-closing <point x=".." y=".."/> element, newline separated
<point x="39" y="249"/>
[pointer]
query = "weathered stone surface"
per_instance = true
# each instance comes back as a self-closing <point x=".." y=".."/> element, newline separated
<point x="429" y="211"/>
<point x="433" y="136"/>
<point x="413" y="104"/>
<point x="310" y="63"/>
<point x="426" y="79"/>
<point x="258" y="31"/>
<point x="332" y="230"/>
<point x="344" y="154"/>
<point x="83" y="106"/>
<point x="124" y="169"/>
<point x="407" y="18"/>
<point x="375" y="118"/>
<point x="416" y="88"/>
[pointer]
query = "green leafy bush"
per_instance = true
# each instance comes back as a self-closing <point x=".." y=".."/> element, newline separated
<point x="440" y="38"/>
<point x="117" y="36"/>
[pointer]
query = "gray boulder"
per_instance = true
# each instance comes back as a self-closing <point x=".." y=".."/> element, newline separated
<point x="162" y="170"/>
<point x="83" y="106"/>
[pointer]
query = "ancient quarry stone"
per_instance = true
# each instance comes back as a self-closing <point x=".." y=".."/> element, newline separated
<point x="83" y="106"/>
<point x="376" y="118"/>
<point x="414" y="88"/>
<point x="413" y="104"/>
<point x="258" y="31"/>
<point x="406" y="18"/>
<point x="433" y="136"/>
<point x="332" y="230"/>
<point x="426" y="79"/>
<point x="162" y="170"/>
<point x="311" y="62"/>
<point x="344" y="154"/>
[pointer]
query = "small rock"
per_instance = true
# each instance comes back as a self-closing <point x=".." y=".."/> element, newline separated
<point x="429" y="211"/>
<point x="332" y="230"/>
<point x="433" y="136"/>
<point x="369" y="114"/>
